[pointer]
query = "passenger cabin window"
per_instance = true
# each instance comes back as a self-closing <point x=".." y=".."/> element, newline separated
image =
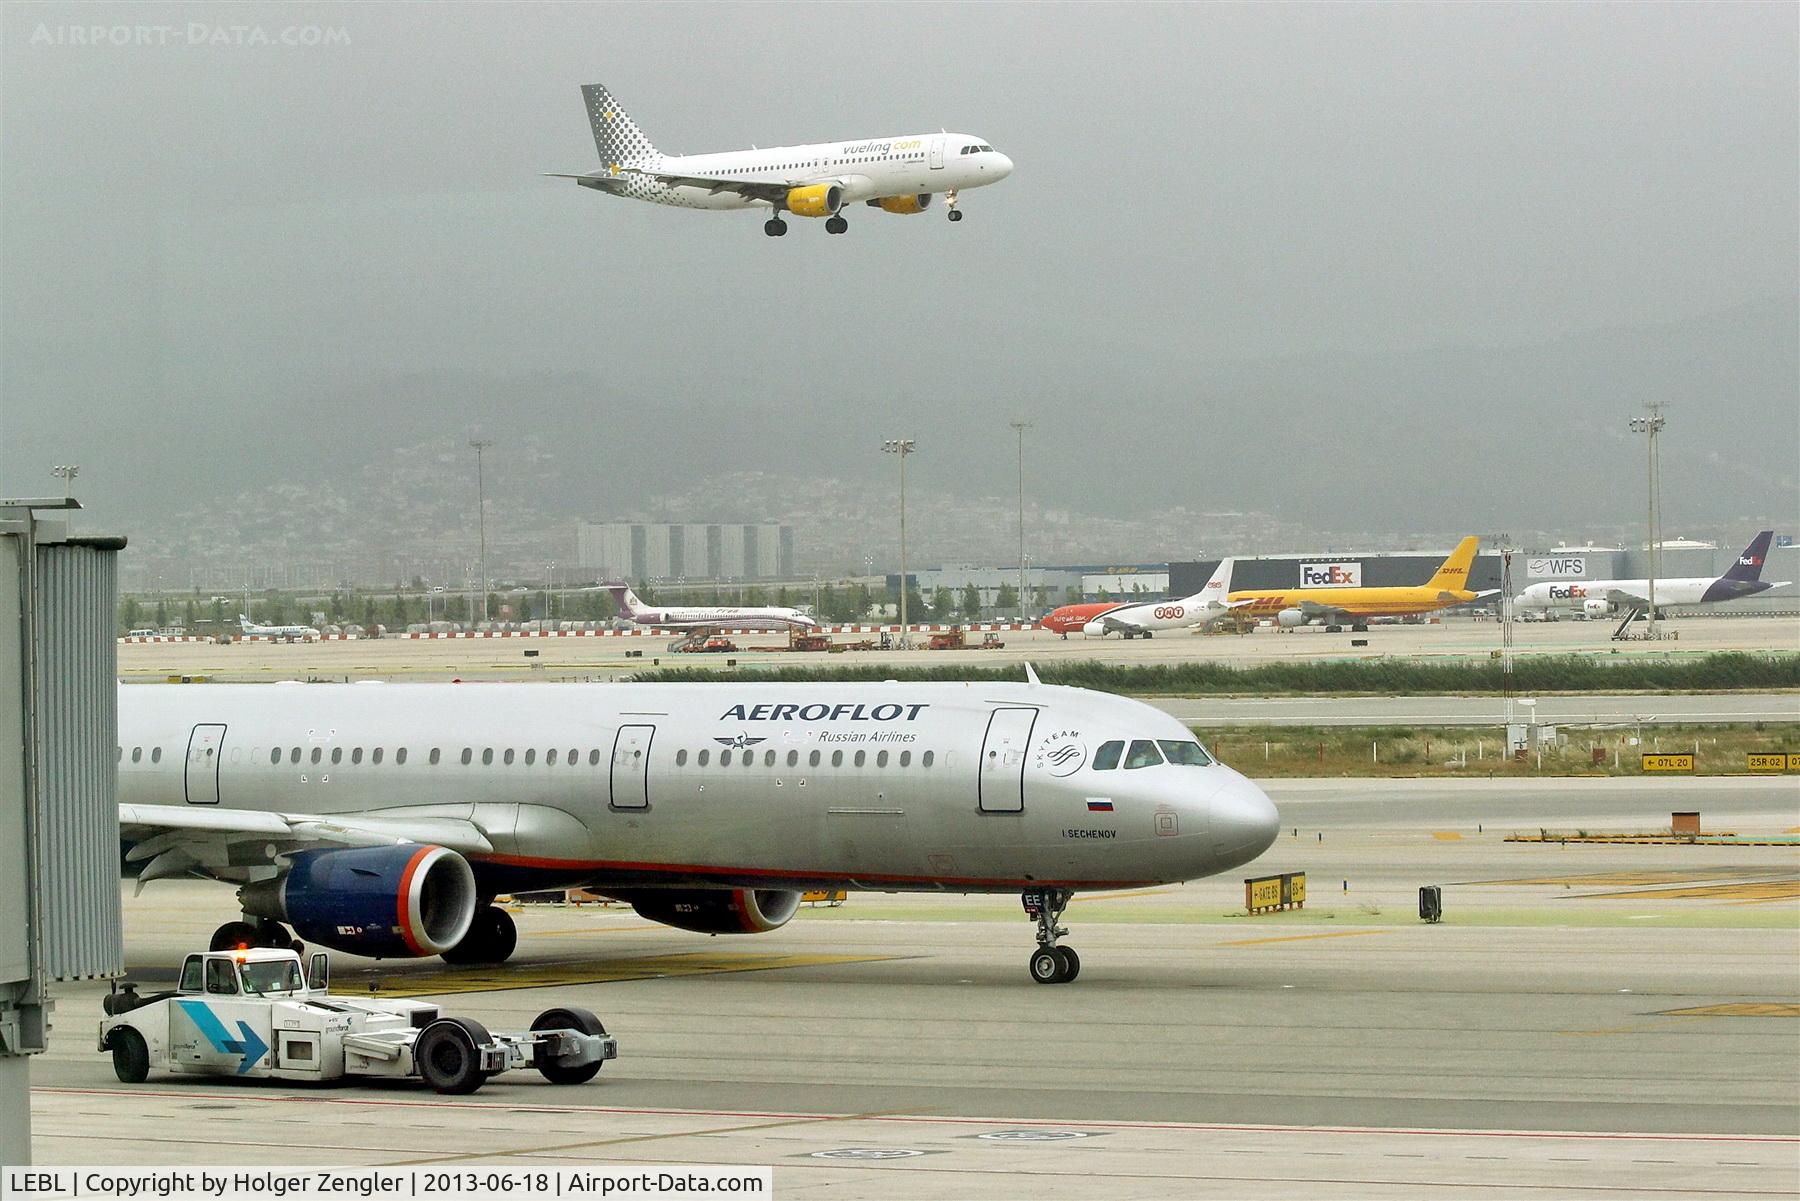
<point x="356" y="755"/>
<point x="156" y="754"/>
<point x="1143" y="753"/>
<point x="507" y="758"/>
<point x="593" y="758"/>
<point x="137" y="754"/>
<point x="550" y="756"/>
<point x="337" y="754"/>
<point x="468" y="756"/>
<point x="318" y="753"/>
<point x="837" y="758"/>
<point x="530" y="757"/>
<point x="375" y="756"/>
<point x="295" y="757"/>
<point x="812" y="760"/>
<point x="274" y="754"/>
<point x="220" y="978"/>
<point x="926" y="758"/>
<point x="861" y="757"/>
<point x="793" y="758"/>
<point x="905" y="758"/>
<point x="400" y="756"/>
<point x="680" y="757"/>
<point x="701" y="758"/>
<point x="768" y="758"/>
<point x="487" y="756"/>
<point x="1107" y="757"/>
<point x="724" y="758"/>
<point x="1187" y="754"/>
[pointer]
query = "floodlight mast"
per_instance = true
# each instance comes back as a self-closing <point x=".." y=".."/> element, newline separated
<point x="1652" y="426"/>
<point x="901" y="447"/>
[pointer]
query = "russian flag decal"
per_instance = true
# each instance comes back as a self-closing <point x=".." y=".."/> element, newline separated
<point x="1095" y="806"/>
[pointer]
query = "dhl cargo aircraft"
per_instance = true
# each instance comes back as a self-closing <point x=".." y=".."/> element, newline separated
<point x="894" y="174"/>
<point x="1331" y="606"/>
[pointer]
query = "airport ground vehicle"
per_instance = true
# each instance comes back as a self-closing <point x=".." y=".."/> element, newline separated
<point x="252" y="1013"/>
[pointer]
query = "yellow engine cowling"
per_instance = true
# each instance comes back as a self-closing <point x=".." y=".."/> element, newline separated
<point x="815" y="200"/>
<point x="906" y="205"/>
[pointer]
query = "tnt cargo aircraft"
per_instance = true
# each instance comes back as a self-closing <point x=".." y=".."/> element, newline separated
<point x="1602" y="598"/>
<point x="708" y="617"/>
<point x="1333" y="606"/>
<point x="1143" y="620"/>
<point x="383" y="820"/>
<point x="896" y="175"/>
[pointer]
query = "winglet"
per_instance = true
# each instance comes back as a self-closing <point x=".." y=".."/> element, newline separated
<point x="1031" y="676"/>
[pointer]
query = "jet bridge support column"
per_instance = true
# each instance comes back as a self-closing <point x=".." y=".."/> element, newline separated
<point x="59" y="818"/>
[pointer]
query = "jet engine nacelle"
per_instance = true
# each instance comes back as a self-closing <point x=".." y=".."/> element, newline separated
<point x="715" y="910"/>
<point x="815" y="200"/>
<point x="1596" y="607"/>
<point x="1287" y="619"/>
<point x="383" y="902"/>
<point x="1094" y="629"/>
<point x="903" y="205"/>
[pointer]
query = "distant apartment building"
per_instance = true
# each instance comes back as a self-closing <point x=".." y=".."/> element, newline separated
<point x="632" y="550"/>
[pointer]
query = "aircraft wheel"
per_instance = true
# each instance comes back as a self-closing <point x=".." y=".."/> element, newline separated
<point x="836" y="225"/>
<point x="233" y="935"/>
<point x="446" y="1056"/>
<point x="492" y="938"/>
<point x="1046" y="966"/>
<point x="1071" y="964"/>
<point x="774" y="227"/>
<point x="565" y="1019"/>
<point x="956" y="214"/>
<point x="131" y="1058"/>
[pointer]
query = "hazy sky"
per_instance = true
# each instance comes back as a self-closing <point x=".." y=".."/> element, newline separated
<point x="1245" y="249"/>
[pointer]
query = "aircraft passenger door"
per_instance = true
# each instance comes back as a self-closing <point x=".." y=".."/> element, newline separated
<point x="937" y="153"/>
<point x="630" y="767"/>
<point x="205" y="745"/>
<point x="1001" y="784"/>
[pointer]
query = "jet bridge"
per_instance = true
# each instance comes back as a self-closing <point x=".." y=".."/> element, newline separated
<point x="59" y="817"/>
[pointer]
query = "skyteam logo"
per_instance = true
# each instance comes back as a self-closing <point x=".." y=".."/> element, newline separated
<point x="1062" y="753"/>
<point x="740" y="742"/>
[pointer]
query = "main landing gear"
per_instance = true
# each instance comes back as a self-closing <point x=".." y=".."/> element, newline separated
<point x="955" y="214"/>
<point x="262" y="933"/>
<point x="1050" y="964"/>
<point x="836" y="225"/>
<point x="775" y="226"/>
<point x="491" y="938"/>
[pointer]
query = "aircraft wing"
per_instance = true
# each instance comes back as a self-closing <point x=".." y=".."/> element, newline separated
<point x="773" y="193"/>
<point x="1619" y="596"/>
<point x="1116" y="625"/>
<point x="1315" y="609"/>
<point x="172" y="840"/>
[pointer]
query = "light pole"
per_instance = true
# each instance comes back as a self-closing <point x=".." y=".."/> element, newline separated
<point x="481" y="444"/>
<point x="1653" y="425"/>
<point x="550" y="592"/>
<point x="901" y="447"/>
<point x="66" y="472"/>
<point x="1021" y="426"/>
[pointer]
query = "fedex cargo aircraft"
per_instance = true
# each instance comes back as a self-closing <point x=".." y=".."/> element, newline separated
<point x="1600" y="598"/>
<point x="383" y="819"/>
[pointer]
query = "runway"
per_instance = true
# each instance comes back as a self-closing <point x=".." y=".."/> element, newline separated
<point x="1569" y="1029"/>
<point x="1455" y="639"/>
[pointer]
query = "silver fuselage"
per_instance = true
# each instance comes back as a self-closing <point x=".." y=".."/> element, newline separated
<point x="961" y="787"/>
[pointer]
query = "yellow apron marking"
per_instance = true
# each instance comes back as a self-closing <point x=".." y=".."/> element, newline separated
<point x="1739" y="1009"/>
<point x="1122" y="896"/>
<point x="502" y="978"/>
<point x="1446" y="835"/>
<point x="1749" y="892"/>
<point x="1255" y="942"/>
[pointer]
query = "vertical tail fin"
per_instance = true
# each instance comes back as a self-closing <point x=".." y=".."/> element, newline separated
<point x="1454" y="574"/>
<point x="616" y="135"/>
<point x="1218" y="587"/>
<point x="627" y="601"/>
<point x="1749" y="565"/>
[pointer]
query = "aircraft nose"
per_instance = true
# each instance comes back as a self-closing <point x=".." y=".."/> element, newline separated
<point x="1244" y="821"/>
<point x="1003" y="165"/>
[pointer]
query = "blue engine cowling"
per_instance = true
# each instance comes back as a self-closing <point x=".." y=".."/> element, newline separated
<point x="383" y="902"/>
<point x="714" y="910"/>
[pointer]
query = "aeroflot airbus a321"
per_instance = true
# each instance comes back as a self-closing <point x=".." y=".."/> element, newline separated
<point x="383" y="819"/>
<point x="896" y="175"/>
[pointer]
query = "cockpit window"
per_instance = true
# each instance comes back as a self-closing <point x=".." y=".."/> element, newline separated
<point x="1187" y="754"/>
<point x="985" y="147"/>
<point x="1107" y="757"/>
<point x="1143" y="753"/>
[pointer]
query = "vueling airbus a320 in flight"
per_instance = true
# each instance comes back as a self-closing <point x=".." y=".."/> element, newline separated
<point x="896" y="175"/>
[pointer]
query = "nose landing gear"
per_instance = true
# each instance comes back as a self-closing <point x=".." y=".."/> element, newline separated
<point x="1050" y="964"/>
<point x="955" y="214"/>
